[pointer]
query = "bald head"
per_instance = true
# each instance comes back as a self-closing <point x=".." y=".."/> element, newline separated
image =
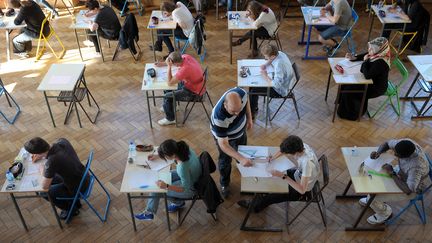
<point x="233" y="103"/>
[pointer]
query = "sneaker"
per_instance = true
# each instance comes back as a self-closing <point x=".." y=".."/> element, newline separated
<point x="64" y="213"/>
<point x="165" y="122"/>
<point x="244" y="203"/>
<point x="88" y="43"/>
<point x="174" y="207"/>
<point x="22" y="55"/>
<point x="225" y="191"/>
<point x="363" y="201"/>
<point x="380" y="219"/>
<point x="146" y="216"/>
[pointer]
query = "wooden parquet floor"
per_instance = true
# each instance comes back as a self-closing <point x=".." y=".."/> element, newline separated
<point x="117" y="87"/>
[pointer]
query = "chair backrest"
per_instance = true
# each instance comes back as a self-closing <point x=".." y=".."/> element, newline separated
<point x="297" y="76"/>
<point x="402" y="70"/>
<point x="429" y="159"/>
<point x="205" y="78"/>
<point x="87" y="171"/>
<point x="44" y="23"/>
<point x="324" y="170"/>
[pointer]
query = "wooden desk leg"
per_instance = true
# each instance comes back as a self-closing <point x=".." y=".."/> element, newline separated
<point x="328" y="84"/>
<point x="49" y="109"/>
<point x="153" y="43"/>
<point x="253" y="42"/>
<point x="8" y="55"/>
<point x="362" y="104"/>
<point x="131" y="211"/>
<point x="370" y="28"/>
<point x="410" y="88"/>
<point x="174" y="105"/>
<point x="148" y="108"/>
<point x="230" y="44"/>
<point x="55" y="211"/>
<point x="166" y="211"/>
<point x="336" y="102"/>
<point x="19" y="211"/>
<point x="355" y="226"/>
<point x="100" y="46"/>
<point x="79" y="47"/>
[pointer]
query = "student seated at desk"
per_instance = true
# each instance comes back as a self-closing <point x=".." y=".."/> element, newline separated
<point x="187" y="173"/>
<point x="265" y="22"/>
<point x="106" y="23"/>
<point x="32" y="15"/>
<point x="375" y="66"/>
<point x="339" y="13"/>
<point x="282" y="77"/>
<point x="62" y="172"/>
<point x="190" y="77"/>
<point x="230" y="118"/>
<point x="185" y="22"/>
<point x="301" y="180"/>
<point x="410" y="176"/>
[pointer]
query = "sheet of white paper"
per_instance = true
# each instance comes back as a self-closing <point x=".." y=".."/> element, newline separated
<point x="138" y="179"/>
<point x="316" y="12"/>
<point x="347" y="63"/>
<point x="376" y="164"/>
<point x="257" y="170"/>
<point x="254" y="152"/>
<point x="280" y="164"/>
<point x="60" y="79"/>
<point x="28" y="182"/>
<point x="345" y="78"/>
<point x="428" y="73"/>
<point x="256" y="71"/>
<point x="155" y="165"/>
<point x="33" y="168"/>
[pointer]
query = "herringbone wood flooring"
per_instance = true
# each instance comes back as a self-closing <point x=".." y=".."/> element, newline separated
<point x="116" y="86"/>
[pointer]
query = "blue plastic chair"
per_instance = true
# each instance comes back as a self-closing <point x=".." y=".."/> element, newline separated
<point x="348" y="36"/>
<point x="186" y="43"/>
<point x="419" y="197"/>
<point x="86" y="194"/>
<point x="9" y="98"/>
<point x="138" y="6"/>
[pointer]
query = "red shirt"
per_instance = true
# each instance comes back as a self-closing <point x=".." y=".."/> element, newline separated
<point x="191" y="74"/>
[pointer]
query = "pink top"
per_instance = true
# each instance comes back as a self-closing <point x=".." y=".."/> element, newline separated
<point x="191" y="74"/>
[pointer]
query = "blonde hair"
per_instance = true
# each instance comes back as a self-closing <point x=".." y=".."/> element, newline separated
<point x="269" y="50"/>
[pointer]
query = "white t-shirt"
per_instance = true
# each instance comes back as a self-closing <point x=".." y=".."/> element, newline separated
<point x="308" y="166"/>
<point x="268" y="21"/>
<point x="183" y="17"/>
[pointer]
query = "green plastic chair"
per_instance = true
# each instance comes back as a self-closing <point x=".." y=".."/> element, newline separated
<point x="393" y="89"/>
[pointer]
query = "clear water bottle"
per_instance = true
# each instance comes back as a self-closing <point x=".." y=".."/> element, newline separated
<point x="132" y="152"/>
<point x="10" y="177"/>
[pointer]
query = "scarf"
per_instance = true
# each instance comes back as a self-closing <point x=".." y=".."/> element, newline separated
<point x="381" y="50"/>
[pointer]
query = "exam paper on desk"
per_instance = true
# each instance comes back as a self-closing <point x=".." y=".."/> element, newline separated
<point x="376" y="164"/>
<point x="138" y="179"/>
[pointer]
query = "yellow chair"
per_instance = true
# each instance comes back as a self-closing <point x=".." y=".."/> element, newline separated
<point x="41" y="47"/>
<point x="395" y="49"/>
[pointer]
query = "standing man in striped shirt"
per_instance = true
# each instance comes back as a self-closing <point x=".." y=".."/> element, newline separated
<point x="229" y="120"/>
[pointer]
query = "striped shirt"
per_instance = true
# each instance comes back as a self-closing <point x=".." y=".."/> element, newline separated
<point x="224" y="125"/>
<point x="414" y="168"/>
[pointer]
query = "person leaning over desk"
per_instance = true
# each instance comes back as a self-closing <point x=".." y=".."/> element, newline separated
<point x="106" y="23"/>
<point x="375" y="66"/>
<point x="282" y="78"/>
<point x="187" y="173"/>
<point x="229" y="119"/>
<point x="301" y="180"/>
<point x="62" y="172"/>
<point x="189" y="76"/>
<point x="410" y="176"/>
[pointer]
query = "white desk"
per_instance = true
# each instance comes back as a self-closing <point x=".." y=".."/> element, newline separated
<point x="311" y="18"/>
<point x="164" y="24"/>
<point x="392" y="20"/>
<point x="80" y="22"/>
<point x="423" y="64"/>
<point x="350" y="76"/>
<point x="66" y="78"/>
<point x="254" y="79"/>
<point x="8" y="27"/>
<point x="244" y="23"/>
<point x="30" y="183"/>
<point x="135" y="174"/>
<point x="263" y="185"/>
<point x="158" y="83"/>
<point x="364" y="184"/>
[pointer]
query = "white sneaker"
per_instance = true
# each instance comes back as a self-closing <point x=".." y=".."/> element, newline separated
<point x="88" y="43"/>
<point x="363" y="201"/>
<point x="165" y="122"/>
<point x="380" y="219"/>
